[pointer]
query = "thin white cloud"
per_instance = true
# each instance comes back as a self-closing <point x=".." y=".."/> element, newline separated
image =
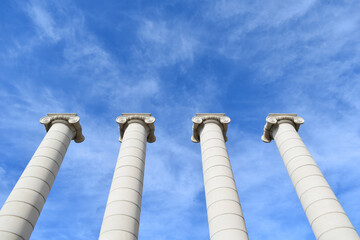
<point x="259" y="14"/>
<point x="43" y="20"/>
<point x="322" y="88"/>
<point x="166" y="43"/>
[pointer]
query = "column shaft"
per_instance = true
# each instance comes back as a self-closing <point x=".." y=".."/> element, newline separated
<point x="122" y="214"/>
<point x="22" y="209"/>
<point x="324" y="212"/>
<point x="225" y="217"/>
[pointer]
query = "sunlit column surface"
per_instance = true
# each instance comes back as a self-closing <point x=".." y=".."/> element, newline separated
<point x="225" y="217"/>
<point x="324" y="212"/>
<point x="122" y="214"/>
<point x="22" y="209"/>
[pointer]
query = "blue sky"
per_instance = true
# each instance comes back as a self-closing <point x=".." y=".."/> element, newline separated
<point x="174" y="59"/>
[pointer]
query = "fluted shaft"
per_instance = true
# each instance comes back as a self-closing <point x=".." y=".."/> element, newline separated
<point x="22" y="209"/>
<point x="225" y="217"/>
<point x="324" y="212"/>
<point x="122" y="214"/>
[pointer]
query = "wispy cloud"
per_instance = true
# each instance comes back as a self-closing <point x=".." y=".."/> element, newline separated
<point x="269" y="14"/>
<point x="173" y="60"/>
<point x="166" y="43"/>
<point x="43" y="20"/>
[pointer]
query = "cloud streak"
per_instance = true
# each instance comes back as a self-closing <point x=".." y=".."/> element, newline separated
<point x="174" y="59"/>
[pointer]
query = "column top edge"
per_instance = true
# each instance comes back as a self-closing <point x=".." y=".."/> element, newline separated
<point x="201" y="118"/>
<point x="136" y="114"/>
<point x="124" y="119"/>
<point x="282" y="114"/>
<point x="62" y="114"/>
<point x="209" y="114"/>
<point x="276" y="118"/>
<point x="71" y="119"/>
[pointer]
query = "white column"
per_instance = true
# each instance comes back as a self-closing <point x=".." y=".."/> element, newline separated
<point x="22" y="209"/>
<point x="225" y="216"/>
<point x="122" y="213"/>
<point x="324" y="212"/>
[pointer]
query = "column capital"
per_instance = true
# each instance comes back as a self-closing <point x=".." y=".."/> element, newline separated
<point x="277" y="118"/>
<point x="143" y="118"/>
<point x="71" y="119"/>
<point x="202" y="118"/>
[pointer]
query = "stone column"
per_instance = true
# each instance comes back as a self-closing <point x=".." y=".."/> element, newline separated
<point x="225" y="217"/>
<point x="324" y="212"/>
<point x="22" y="209"/>
<point x="122" y="213"/>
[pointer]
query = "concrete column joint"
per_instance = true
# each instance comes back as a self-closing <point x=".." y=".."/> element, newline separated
<point x="275" y="119"/>
<point x="72" y="120"/>
<point x="143" y="118"/>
